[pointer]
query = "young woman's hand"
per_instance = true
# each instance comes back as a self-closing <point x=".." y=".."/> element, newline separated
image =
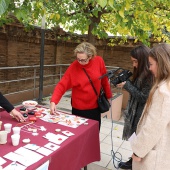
<point x="120" y="85"/>
<point x="136" y="158"/>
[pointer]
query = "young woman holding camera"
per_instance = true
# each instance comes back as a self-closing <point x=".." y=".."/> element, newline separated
<point x="138" y="89"/>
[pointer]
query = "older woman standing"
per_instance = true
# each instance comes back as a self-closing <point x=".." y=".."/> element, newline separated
<point x="151" y="146"/>
<point x="84" y="99"/>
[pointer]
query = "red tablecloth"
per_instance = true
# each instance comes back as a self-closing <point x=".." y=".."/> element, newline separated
<point x="74" y="153"/>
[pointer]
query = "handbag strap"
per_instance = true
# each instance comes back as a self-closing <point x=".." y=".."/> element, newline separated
<point x="90" y="81"/>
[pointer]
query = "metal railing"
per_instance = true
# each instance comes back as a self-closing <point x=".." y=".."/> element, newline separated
<point x="35" y="68"/>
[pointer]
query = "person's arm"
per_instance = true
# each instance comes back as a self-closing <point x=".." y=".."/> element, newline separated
<point x="142" y="94"/>
<point x="4" y="103"/>
<point x="63" y="85"/>
<point x="157" y="116"/>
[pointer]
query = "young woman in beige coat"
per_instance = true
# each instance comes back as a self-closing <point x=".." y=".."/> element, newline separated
<point x="152" y="146"/>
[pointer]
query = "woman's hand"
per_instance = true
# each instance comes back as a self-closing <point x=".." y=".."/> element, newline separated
<point x="17" y="115"/>
<point x="52" y="108"/>
<point x="136" y="158"/>
<point x="120" y="85"/>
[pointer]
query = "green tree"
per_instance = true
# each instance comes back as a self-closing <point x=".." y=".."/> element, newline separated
<point x="141" y="19"/>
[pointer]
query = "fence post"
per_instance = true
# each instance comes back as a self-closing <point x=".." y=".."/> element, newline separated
<point x="41" y="61"/>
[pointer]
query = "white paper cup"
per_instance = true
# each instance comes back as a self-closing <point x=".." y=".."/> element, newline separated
<point x="7" y="127"/>
<point x="3" y="137"/>
<point x="1" y="109"/>
<point x="16" y="130"/>
<point x="15" y="139"/>
<point x="0" y="124"/>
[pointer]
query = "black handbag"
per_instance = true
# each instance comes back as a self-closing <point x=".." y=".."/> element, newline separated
<point x="102" y="101"/>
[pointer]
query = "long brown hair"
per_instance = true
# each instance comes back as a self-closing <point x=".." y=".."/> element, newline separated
<point x="161" y="54"/>
<point x="141" y="53"/>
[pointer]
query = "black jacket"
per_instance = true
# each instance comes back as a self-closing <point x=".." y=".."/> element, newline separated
<point x="139" y="92"/>
<point x="5" y="103"/>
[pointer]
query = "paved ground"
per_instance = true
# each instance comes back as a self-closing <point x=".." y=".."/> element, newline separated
<point x="110" y="139"/>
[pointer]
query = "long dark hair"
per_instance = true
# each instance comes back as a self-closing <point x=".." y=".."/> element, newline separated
<point x="141" y="53"/>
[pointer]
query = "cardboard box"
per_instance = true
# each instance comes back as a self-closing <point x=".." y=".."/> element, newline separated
<point x="115" y="111"/>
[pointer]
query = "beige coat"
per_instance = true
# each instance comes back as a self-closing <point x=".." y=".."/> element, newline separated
<point x="153" y="133"/>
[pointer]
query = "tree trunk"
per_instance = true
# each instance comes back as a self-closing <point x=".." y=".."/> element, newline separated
<point x="91" y="37"/>
<point x="94" y="21"/>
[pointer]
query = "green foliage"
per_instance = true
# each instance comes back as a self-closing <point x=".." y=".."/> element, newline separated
<point x="140" y="19"/>
<point x="4" y="6"/>
<point x="102" y="3"/>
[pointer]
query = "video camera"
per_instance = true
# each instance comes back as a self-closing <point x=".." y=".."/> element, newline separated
<point x="118" y="76"/>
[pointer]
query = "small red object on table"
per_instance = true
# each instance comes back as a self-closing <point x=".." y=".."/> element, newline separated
<point x="38" y="114"/>
<point x="33" y="119"/>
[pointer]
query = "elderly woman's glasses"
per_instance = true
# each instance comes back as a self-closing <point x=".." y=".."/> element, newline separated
<point x="82" y="60"/>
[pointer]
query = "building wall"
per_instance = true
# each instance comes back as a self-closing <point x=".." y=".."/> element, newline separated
<point x="22" y="48"/>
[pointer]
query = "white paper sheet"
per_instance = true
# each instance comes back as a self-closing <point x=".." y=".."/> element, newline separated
<point x="32" y="146"/>
<point x="15" y="157"/>
<point x="44" y="166"/>
<point x="2" y="161"/>
<point x="44" y="151"/>
<point x="132" y="137"/>
<point x="52" y="146"/>
<point x="12" y="156"/>
<point x="64" y="119"/>
<point x="31" y="157"/>
<point x="14" y="166"/>
<point x="57" y="139"/>
<point x="67" y="133"/>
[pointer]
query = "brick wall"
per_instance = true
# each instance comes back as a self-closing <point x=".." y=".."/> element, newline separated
<point x="21" y="48"/>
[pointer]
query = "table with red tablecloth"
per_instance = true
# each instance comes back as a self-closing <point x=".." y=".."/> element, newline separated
<point x="74" y="153"/>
